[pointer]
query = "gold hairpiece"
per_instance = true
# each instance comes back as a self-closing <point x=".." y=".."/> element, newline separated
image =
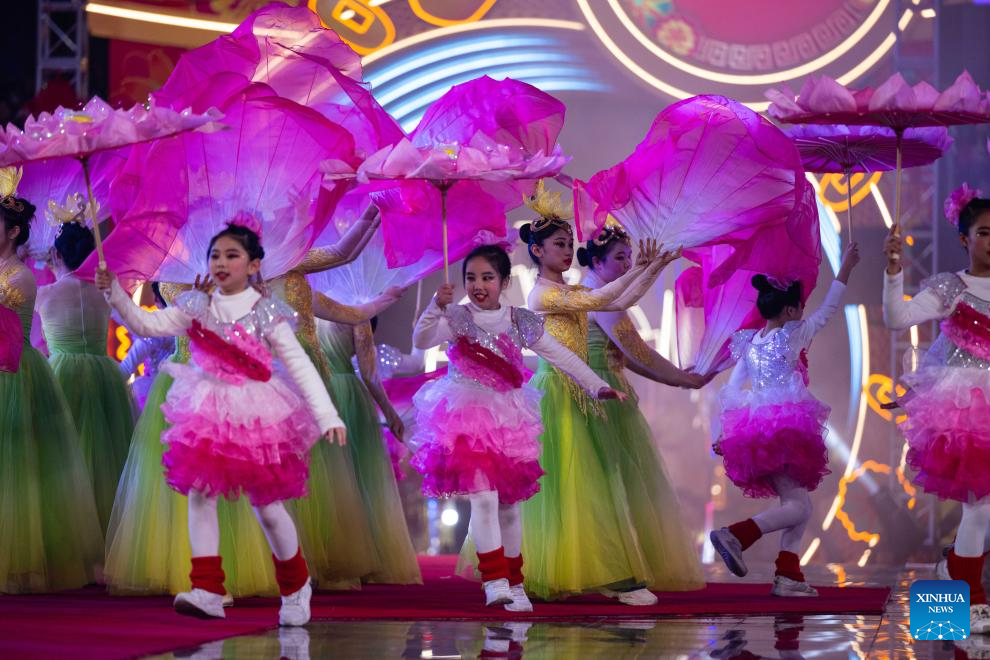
<point x="550" y="207"/>
<point x="74" y="210"/>
<point x="10" y="177"/>
<point x="612" y="231"/>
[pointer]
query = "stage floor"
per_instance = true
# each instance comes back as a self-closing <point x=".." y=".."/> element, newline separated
<point x="597" y="629"/>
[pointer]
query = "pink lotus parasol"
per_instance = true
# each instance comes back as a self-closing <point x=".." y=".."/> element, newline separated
<point x="709" y="171"/>
<point x="847" y="149"/>
<point x="485" y="136"/>
<point x="174" y="195"/>
<point x="77" y="135"/>
<point x="894" y="104"/>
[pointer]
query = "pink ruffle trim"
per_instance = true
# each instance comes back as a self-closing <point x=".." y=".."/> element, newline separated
<point x="760" y="443"/>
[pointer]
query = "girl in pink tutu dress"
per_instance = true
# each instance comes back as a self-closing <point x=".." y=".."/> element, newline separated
<point x="948" y="405"/>
<point x="478" y="428"/>
<point x="238" y="421"/>
<point x="773" y="434"/>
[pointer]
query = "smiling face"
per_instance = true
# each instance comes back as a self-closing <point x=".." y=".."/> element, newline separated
<point x="483" y="284"/>
<point x="977" y="244"/>
<point x="230" y="265"/>
<point x="616" y="262"/>
<point x="556" y="254"/>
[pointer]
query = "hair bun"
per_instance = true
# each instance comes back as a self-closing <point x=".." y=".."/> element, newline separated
<point x="584" y="257"/>
<point x="526" y="232"/>
<point x="761" y="283"/>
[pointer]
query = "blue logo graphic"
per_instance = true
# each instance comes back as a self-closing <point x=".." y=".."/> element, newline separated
<point x="939" y="609"/>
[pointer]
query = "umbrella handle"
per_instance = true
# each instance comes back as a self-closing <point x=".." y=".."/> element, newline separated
<point x="443" y="219"/>
<point x="897" y="190"/>
<point x="849" y="206"/>
<point x="92" y="214"/>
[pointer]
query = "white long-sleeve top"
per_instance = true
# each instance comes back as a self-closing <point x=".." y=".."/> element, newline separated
<point x="432" y="329"/>
<point x="172" y="321"/>
<point x="899" y="314"/>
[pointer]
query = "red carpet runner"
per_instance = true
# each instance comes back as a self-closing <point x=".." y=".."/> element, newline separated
<point x="89" y="623"/>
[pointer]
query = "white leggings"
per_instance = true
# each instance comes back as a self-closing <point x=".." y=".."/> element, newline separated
<point x="495" y="525"/>
<point x="204" y="530"/>
<point x="971" y="537"/>
<point x="791" y="516"/>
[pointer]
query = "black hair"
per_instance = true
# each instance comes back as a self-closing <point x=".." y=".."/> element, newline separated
<point x="771" y="301"/>
<point x="17" y="212"/>
<point x="74" y="243"/>
<point x="248" y="240"/>
<point x="976" y="207"/>
<point x="494" y="255"/>
<point x="598" y="249"/>
<point x="156" y="290"/>
<point x="532" y="237"/>
<point x="374" y="324"/>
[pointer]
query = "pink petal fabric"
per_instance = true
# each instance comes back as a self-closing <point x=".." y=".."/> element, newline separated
<point x="709" y="171"/>
<point x="174" y="195"/>
<point x="11" y="340"/>
<point x="840" y="148"/>
<point x="894" y="103"/>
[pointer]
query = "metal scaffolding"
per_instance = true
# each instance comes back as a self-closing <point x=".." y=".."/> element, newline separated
<point x="63" y="44"/>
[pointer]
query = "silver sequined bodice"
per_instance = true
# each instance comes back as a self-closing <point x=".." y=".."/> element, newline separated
<point x="770" y="363"/>
<point x="943" y="352"/>
<point x="265" y="315"/>
<point x="525" y="330"/>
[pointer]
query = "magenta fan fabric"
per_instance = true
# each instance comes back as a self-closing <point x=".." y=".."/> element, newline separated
<point x="485" y="141"/>
<point x="894" y="104"/>
<point x="843" y="149"/>
<point x="97" y="127"/>
<point x="11" y="340"/>
<point x="716" y="298"/>
<point x="710" y="170"/>
<point x="174" y="195"/>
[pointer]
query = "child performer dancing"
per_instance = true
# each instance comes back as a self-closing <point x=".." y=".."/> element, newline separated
<point x="948" y="408"/>
<point x="236" y="423"/>
<point x="773" y="434"/>
<point x="478" y="428"/>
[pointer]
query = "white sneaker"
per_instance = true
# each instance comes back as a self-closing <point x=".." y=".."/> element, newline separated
<point x="520" y="601"/>
<point x="785" y="587"/>
<point x="199" y="603"/>
<point x="497" y="592"/>
<point x="730" y="549"/>
<point x="636" y="597"/>
<point x="295" y="607"/>
<point x="228" y="600"/>
<point x="293" y="643"/>
<point x="979" y="619"/>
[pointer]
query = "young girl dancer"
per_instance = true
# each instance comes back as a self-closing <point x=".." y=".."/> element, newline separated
<point x="613" y="346"/>
<point x="478" y="428"/>
<point x="237" y="425"/>
<point x="75" y="317"/>
<point x="948" y="410"/>
<point x="773" y="434"/>
<point x="577" y="537"/>
<point x="51" y="537"/>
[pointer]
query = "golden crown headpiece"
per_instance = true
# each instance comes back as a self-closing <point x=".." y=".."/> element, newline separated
<point x="612" y="231"/>
<point x="550" y="207"/>
<point x="10" y="177"/>
<point x="75" y="209"/>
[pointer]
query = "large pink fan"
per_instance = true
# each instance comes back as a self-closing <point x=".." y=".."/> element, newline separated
<point x="467" y="158"/>
<point x="709" y="171"/>
<point x="716" y="298"/>
<point x="77" y="135"/>
<point x="174" y="195"/>
<point x="894" y="104"/>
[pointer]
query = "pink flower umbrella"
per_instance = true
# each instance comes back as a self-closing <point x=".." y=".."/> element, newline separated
<point x="473" y="150"/>
<point x="846" y="149"/>
<point x="78" y="135"/>
<point x="709" y="171"/>
<point x="894" y="104"/>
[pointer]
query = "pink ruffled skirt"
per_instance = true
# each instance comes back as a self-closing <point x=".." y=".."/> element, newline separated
<point x="253" y="437"/>
<point x="471" y="439"/>
<point x="786" y="438"/>
<point x="948" y="431"/>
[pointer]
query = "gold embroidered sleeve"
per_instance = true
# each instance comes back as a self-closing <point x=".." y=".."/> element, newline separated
<point x="12" y="285"/>
<point x="329" y="309"/>
<point x="170" y="290"/>
<point x="632" y="345"/>
<point x="320" y="259"/>
<point x="579" y="299"/>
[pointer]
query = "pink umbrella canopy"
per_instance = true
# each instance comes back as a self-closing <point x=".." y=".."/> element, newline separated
<point x="845" y="149"/>
<point x="474" y="155"/>
<point x="173" y="196"/>
<point x="709" y="171"/>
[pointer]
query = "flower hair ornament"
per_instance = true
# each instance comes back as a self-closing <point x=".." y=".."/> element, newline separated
<point x="612" y="231"/>
<point x="247" y="220"/>
<point x="9" y="178"/>
<point x="957" y="201"/>
<point x="550" y="207"/>
<point x="74" y="210"/>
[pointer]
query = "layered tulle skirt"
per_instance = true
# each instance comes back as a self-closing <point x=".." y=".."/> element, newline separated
<point x="773" y="432"/>
<point x="471" y="438"/>
<point x="948" y="431"/>
<point x="50" y="533"/>
<point x="226" y="438"/>
<point x="104" y="418"/>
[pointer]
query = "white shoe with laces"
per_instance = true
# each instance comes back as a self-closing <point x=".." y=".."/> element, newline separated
<point x="295" y="607"/>
<point x="636" y="597"/>
<point x="497" y="592"/>
<point x="199" y="603"/>
<point x="730" y="550"/>
<point x="785" y="587"/>
<point x="520" y="601"/>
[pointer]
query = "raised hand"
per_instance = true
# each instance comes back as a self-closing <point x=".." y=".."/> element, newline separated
<point x="445" y="295"/>
<point x="850" y="257"/>
<point x="668" y="257"/>
<point x="649" y="250"/>
<point x="206" y="285"/>
<point x="103" y="279"/>
<point x="394" y="292"/>
<point x="893" y="247"/>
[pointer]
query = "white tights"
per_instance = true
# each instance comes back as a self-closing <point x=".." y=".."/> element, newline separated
<point x="204" y="530"/>
<point x="971" y="537"/>
<point x="791" y="516"/>
<point x="495" y="525"/>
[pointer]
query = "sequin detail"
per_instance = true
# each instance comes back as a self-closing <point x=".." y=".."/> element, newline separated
<point x="947" y="286"/>
<point x="258" y="323"/>
<point x="945" y="353"/>
<point x="10" y="294"/>
<point x="506" y="345"/>
<point x="566" y="319"/>
<point x="771" y="364"/>
<point x="320" y="259"/>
